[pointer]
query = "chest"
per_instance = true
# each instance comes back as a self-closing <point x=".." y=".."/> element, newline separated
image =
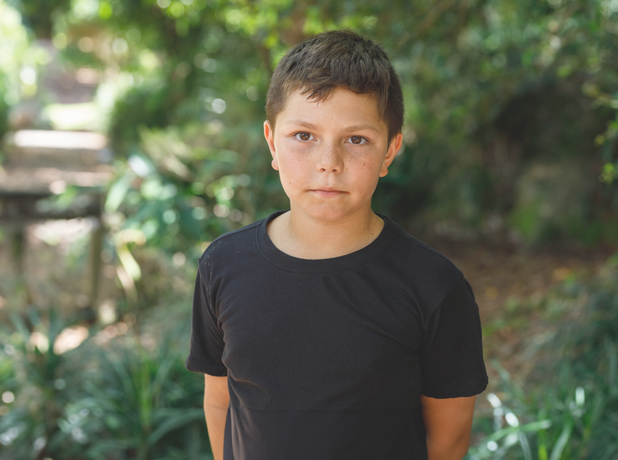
<point x="340" y="330"/>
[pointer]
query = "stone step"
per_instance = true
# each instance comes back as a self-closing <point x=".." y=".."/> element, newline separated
<point x="65" y="150"/>
<point x="39" y="164"/>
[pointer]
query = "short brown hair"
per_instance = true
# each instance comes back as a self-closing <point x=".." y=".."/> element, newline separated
<point x="335" y="59"/>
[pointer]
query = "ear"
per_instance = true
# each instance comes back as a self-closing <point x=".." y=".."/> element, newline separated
<point x="393" y="148"/>
<point x="269" y="134"/>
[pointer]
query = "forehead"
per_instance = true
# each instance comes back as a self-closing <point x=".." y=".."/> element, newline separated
<point x="341" y="107"/>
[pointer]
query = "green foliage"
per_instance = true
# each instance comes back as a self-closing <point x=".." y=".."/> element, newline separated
<point x="180" y="189"/>
<point x="144" y="403"/>
<point x="493" y="89"/>
<point x="4" y="112"/>
<point x="39" y="16"/>
<point x="18" y="62"/>
<point x="118" y="395"/>
<point x="42" y="384"/>
<point x="568" y="407"/>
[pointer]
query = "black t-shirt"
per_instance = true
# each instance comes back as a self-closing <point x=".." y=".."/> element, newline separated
<point x="326" y="359"/>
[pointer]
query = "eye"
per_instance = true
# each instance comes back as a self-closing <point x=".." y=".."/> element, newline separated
<point x="358" y="140"/>
<point x="303" y="136"/>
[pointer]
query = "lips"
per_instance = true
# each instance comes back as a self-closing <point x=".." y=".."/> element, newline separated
<point x="327" y="192"/>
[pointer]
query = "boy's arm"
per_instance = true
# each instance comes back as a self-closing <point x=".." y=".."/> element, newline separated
<point x="216" y="402"/>
<point x="448" y="423"/>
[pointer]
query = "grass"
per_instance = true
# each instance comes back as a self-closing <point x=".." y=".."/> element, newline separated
<point x="567" y="408"/>
<point x="110" y="398"/>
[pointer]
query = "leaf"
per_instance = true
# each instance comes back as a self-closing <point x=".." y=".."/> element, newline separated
<point x="529" y="427"/>
<point x="129" y="263"/>
<point x="124" y="378"/>
<point x="21" y="327"/>
<point x="161" y="374"/>
<point x="508" y="381"/>
<point x="612" y="372"/>
<point x="562" y="441"/>
<point x="174" y="418"/>
<point x="117" y="192"/>
<point x="525" y="446"/>
<point x="141" y="165"/>
<point x="110" y="446"/>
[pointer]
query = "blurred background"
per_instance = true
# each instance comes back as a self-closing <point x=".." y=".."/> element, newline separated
<point x="132" y="137"/>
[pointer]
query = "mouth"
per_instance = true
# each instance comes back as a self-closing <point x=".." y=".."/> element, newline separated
<point x="327" y="192"/>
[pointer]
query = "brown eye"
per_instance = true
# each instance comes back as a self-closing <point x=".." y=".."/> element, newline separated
<point x="357" y="140"/>
<point x="303" y="136"/>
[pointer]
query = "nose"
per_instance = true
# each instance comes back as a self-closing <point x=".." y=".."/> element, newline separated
<point x="330" y="158"/>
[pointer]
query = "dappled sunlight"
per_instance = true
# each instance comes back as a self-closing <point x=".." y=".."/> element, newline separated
<point x="110" y="332"/>
<point x="62" y="233"/>
<point x="70" y="338"/>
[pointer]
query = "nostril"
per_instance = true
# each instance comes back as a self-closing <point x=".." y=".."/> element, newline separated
<point x="330" y="160"/>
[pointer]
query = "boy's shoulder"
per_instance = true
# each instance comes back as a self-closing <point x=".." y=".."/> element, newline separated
<point x="230" y="247"/>
<point x="417" y="253"/>
<point x="418" y="266"/>
<point x="231" y="240"/>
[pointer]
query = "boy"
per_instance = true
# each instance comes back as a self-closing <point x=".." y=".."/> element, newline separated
<point x="326" y="332"/>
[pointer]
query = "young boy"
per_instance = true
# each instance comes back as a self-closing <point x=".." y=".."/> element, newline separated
<point x="326" y="332"/>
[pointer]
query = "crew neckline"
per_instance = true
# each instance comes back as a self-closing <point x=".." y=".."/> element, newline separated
<point x="297" y="264"/>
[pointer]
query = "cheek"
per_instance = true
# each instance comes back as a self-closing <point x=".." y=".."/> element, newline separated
<point x="367" y="172"/>
<point x="292" y="171"/>
<point x="366" y="165"/>
<point x="294" y="161"/>
<point x="292" y="165"/>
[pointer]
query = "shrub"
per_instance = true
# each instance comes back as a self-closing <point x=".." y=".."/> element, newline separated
<point x="568" y="408"/>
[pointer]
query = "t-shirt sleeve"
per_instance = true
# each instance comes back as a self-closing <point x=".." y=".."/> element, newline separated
<point x="452" y="350"/>
<point x="206" y="348"/>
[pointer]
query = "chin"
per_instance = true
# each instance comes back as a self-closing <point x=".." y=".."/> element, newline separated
<point x="327" y="214"/>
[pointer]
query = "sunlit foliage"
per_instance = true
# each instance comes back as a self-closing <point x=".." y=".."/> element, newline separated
<point x="497" y="93"/>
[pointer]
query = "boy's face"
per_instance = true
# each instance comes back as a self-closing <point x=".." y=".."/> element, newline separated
<point x="330" y="154"/>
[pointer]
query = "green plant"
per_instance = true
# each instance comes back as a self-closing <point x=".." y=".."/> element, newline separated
<point x="42" y="384"/>
<point x="19" y="63"/>
<point x="118" y="395"/>
<point x="177" y="192"/>
<point x="568" y="407"/>
<point x="147" y="404"/>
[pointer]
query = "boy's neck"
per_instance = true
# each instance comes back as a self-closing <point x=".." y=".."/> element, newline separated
<point x="299" y="235"/>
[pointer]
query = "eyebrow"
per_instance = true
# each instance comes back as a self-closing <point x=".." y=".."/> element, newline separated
<point x="362" y="127"/>
<point x="304" y="123"/>
<point x="348" y="128"/>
